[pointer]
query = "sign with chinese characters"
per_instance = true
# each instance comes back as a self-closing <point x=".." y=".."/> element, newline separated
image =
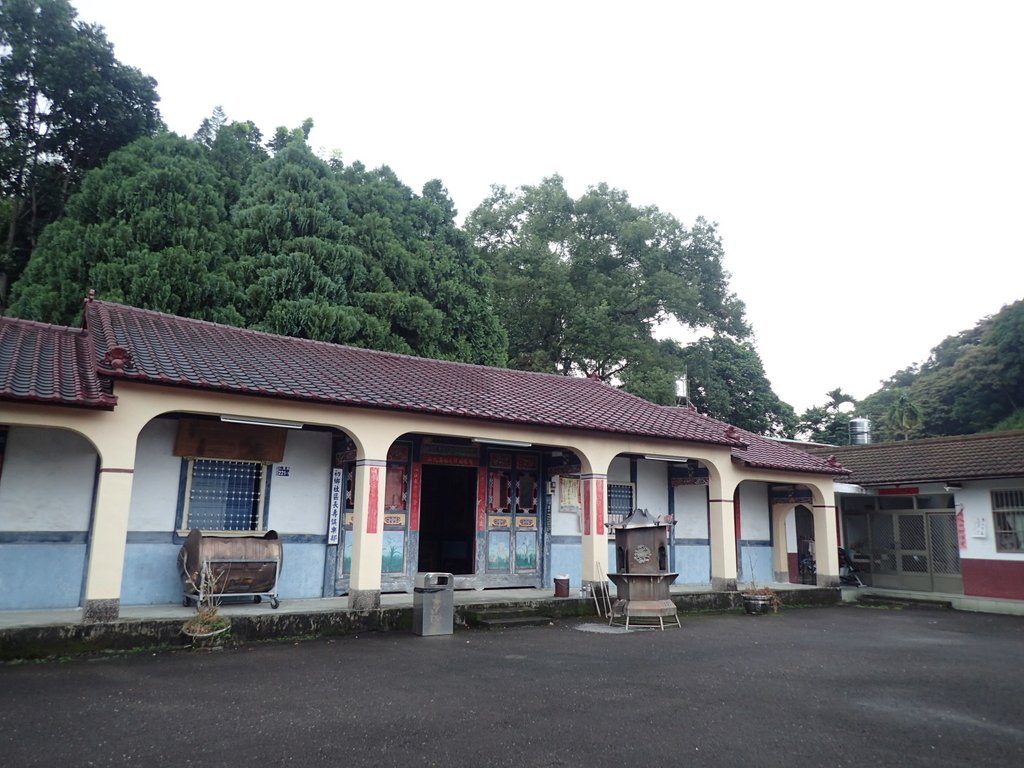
<point x="978" y="531"/>
<point x="282" y="471"/>
<point x="334" y="515"/>
<point x="449" y="455"/>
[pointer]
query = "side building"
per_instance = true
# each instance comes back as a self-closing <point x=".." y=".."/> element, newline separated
<point x="939" y="514"/>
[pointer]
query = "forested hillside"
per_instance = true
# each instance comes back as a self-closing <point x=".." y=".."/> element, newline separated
<point x="972" y="382"/>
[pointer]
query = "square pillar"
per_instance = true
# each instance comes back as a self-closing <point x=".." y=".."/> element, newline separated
<point x="594" y="550"/>
<point x="780" y="550"/>
<point x="826" y="545"/>
<point x="107" y="541"/>
<point x="367" y="535"/>
<point x="723" y="545"/>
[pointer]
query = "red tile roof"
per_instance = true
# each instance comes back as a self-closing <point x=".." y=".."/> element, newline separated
<point x="166" y="349"/>
<point x="764" y="453"/>
<point x="989" y="455"/>
<point x="141" y="345"/>
<point x="49" y="364"/>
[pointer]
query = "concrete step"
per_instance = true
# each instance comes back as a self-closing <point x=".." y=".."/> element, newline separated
<point x="506" y="619"/>
<point x="890" y="601"/>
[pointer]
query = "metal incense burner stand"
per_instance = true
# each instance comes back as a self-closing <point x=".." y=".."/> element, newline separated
<point x="643" y="579"/>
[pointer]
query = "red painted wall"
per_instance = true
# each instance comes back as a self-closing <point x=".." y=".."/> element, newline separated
<point x="993" y="578"/>
<point x="794" y="567"/>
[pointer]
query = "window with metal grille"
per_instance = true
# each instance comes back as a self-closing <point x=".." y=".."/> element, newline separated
<point x="224" y="495"/>
<point x="1008" y="511"/>
<point x="620" y="502"/>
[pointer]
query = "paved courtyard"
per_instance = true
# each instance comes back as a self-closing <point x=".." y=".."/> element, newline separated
<point x="840" y="686"/>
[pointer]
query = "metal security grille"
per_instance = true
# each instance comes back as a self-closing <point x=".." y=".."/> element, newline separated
<point x="883" y="544"/>
<point x="1008" y="510"/>
<point x="620" y="502"/>
<point x="913" y="545"/>
<point x="225" y="495"/>
<point x="945" y="546"/>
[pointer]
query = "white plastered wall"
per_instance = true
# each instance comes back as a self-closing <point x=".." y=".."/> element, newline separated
<point x="48" y="480"/>
<point x="755" y="522"/>
<point x="979" y="522"/>
<point x="618" y="471"/>
<point x="652" y="487"/>
<point x="691" y="511"/>
<point x="155" y="488"/>
<point x="299" y="500"/>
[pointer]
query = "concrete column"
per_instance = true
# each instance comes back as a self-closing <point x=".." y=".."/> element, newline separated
<point x="826" y="538"/>
<point x="780" y="550"/>
<point x="107" y="541"/>
<point x="595" y="535"/>
<point x="723" y="542"/>
<point x="367" y="534"/>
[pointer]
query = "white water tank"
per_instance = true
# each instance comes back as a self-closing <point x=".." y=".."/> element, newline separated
<point x="860" y="431"/>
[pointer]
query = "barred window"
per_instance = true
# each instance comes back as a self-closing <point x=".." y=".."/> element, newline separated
<point x="620" y="502"/>
<point x="223" y="495"/>
<point x="1008" y="511"/>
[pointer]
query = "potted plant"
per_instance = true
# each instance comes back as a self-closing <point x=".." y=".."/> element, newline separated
<point x="758" y="600"/>
<point x="207" y="621"/>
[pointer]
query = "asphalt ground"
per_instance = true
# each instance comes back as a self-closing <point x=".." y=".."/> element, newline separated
<point x="839" y="686"/>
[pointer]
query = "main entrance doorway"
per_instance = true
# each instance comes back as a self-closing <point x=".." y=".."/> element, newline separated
<point x="447" y="520"/>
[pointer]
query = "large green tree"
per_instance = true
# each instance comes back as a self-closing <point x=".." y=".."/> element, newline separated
<point x="348" y="255"/>
<point x="300" y="275"/>
<point x="66" y="103"/>
<point x="904" y="415"/>
<point x="726" y="380"/>
<point x="149" y="228"/>
<point x="581" y="284"/>
<point x="830" y="422"/>
<point x="416" y="242"/>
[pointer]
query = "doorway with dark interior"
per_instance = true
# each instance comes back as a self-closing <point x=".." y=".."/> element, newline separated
<point x="805" y="553"/>
<point x="448" y="520"/>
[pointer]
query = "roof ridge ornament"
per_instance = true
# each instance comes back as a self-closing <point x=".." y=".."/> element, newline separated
<point x="90" y="298"/>
<point x="118" y="359"/>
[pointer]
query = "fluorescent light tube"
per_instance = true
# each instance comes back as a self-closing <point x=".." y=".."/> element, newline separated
<point x="262" y="422"/>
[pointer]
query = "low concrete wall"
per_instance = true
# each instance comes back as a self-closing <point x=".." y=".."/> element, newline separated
<point x="56" y="641"/>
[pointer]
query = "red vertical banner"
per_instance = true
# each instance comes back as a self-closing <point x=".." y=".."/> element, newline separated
<point x="414" y="496"/>
<point x="371" y="513"/>
<point x="961" y="528"/>
<point x="587" y="482"/>
<point x="481" y="499"/>
<point x="600" y="501"/>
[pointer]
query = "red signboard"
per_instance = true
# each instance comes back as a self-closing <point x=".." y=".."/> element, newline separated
<point x="371" y="516"/>
<point x="961" y="529"/>
<point x="414" y="500"/>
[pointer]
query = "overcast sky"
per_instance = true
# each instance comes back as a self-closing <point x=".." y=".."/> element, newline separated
<point x="864" y="161"/>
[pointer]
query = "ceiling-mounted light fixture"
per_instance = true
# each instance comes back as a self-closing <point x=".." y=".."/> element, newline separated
<point x="506" y="443"/>
<point x="674" y="459"/>
<point x="262" y="422"/>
